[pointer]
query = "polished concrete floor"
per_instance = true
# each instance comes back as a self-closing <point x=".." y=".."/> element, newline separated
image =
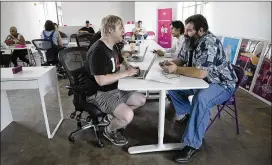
<point x="25" y="143"/>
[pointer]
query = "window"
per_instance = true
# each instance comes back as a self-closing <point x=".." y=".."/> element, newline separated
<point x="59" y="13"/>
<point x="53" y="12"/>
<point x="186" y="9"/>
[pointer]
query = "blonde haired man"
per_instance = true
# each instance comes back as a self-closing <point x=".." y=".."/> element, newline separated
<point x="103" y="64"/>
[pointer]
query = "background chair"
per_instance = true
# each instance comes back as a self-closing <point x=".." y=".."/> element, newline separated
<point x="73" y="37"/>
<point x="128" y="35"/>
<point x="151" y="35"/>
<point x="80" y="87"/>
<point x="230" y="102"/>
<point x="49" y="55"/>
<point x="83" y="40"/>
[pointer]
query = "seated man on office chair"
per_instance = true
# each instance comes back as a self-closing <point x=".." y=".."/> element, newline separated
<point x="103" y="65"/>
<point x="204" y="59"/>
<point x="17" y="38"/>
<point x="177" y="29"/>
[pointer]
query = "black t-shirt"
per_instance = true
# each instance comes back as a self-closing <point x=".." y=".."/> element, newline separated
<point x="89" y="29"/>
<point x="101" y="60"/>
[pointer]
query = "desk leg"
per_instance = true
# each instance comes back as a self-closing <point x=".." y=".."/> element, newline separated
<point x="6" y="115"/>
<point x="160" y="146"/>
<point x="29" y="58"/>
<point x="60" y="105"/>
<point x="45" y="115"/>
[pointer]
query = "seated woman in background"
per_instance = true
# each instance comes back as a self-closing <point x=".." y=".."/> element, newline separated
<point x="51" y="33"/>
<point x="17" y="38"/>
<point x="62" y="35"/>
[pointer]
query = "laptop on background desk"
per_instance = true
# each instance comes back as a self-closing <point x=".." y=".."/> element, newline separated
<point x="137" y="58"/>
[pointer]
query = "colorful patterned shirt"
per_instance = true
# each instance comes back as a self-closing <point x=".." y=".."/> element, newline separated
<point x="209" y="55"/>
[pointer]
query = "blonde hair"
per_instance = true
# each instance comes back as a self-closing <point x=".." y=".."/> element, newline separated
<point x="109" y="22"/>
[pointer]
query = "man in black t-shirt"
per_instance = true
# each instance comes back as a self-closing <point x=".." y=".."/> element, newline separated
<point x="87" y="28"/>
<point x="103" y="64"/>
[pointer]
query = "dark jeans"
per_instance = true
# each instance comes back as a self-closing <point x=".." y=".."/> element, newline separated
<point x="5" y="60"/>
<point x="203" y="101"/>
<point x="21" y="54"/>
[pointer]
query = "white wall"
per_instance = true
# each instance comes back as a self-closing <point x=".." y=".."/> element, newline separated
<point x="148" y="13"/>
<point x="28" y="18"/>
<point x="76" y="13"/>
<point x="241" y="19"/>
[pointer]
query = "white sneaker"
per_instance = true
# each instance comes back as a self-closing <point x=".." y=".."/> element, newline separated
<point x="179" y="117"/>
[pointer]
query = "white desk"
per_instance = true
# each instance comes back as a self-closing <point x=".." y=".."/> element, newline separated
<point x="42" y="78"/>
<point x="12" y="47"/>
<point x="145" y="63"/>
<point x="181" y="82"/>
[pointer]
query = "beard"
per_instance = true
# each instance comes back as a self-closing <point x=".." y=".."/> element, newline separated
<point x="190" y="42"/>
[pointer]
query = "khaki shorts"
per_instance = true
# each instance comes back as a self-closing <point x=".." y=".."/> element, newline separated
<point x="108" y="101"/>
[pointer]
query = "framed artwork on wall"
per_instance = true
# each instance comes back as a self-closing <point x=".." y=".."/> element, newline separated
<point x="231" y="47"/>
<point x="262" y="86"/>
<point x="248" y="58"/>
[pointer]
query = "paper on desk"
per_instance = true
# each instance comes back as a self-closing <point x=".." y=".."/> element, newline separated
<point x="156" y="75"/>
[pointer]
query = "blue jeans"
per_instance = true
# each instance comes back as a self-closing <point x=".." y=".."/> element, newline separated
<point x="139" y="37"/>
<point x="203" y="101"/>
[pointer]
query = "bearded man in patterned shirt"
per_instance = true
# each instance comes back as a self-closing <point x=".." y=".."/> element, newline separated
<point x="204" y="58"/>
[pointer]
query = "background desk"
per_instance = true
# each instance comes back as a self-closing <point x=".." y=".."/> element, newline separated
<point x="42" y="78"/>
<point x="12" y="48"/>
<point x="181" y="82"/>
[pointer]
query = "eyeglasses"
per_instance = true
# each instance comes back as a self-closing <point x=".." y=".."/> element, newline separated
<point x="170" y="76"/>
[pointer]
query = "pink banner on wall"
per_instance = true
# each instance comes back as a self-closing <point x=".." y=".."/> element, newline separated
<point x="164" y="30"/>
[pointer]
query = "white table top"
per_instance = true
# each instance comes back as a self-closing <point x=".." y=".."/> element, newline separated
<point x="72" y="44"/>
<point x="27" y="73"/>
<point x="155" y="75"/>
<point x="12" y="47"/>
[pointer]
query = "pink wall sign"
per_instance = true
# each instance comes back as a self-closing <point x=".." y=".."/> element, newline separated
<point x="164" y="30"/>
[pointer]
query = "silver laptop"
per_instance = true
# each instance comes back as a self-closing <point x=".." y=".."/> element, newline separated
<point x="137" y="58"/>
<point x="143" y="73"/>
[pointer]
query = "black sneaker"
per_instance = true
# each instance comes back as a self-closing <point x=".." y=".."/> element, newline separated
<point x="115" y="137"/>
<point x="108" y="118"/>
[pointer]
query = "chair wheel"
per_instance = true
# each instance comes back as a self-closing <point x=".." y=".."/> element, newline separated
<point x="101" y="145"/>
<point x="79" y="124"/>
<point x="71" y="139"/>
<point x="72" y="116"/>
<point x="88" y="119"/>
<point x="78" y="117"/>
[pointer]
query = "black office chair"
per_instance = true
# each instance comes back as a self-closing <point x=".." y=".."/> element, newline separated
<point x="73" y="37"/>
<point x="32" y="60"/>
<point x="51" y="54"/>
<point x="80" y="87"/>
<point x="83" y="40"/>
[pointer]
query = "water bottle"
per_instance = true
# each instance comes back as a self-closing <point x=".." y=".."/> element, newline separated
<point x="142" y="39"/>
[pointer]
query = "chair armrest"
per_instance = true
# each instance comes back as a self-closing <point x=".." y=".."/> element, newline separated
<point x="74" y="88"/>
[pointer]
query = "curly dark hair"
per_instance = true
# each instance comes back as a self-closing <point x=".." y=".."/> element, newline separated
<point x="178" y="25"/>
<point x="199" y="21"/>
<point x="49" y="25"/>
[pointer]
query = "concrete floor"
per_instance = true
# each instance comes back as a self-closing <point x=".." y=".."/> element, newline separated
<point x="24" y="143"/>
